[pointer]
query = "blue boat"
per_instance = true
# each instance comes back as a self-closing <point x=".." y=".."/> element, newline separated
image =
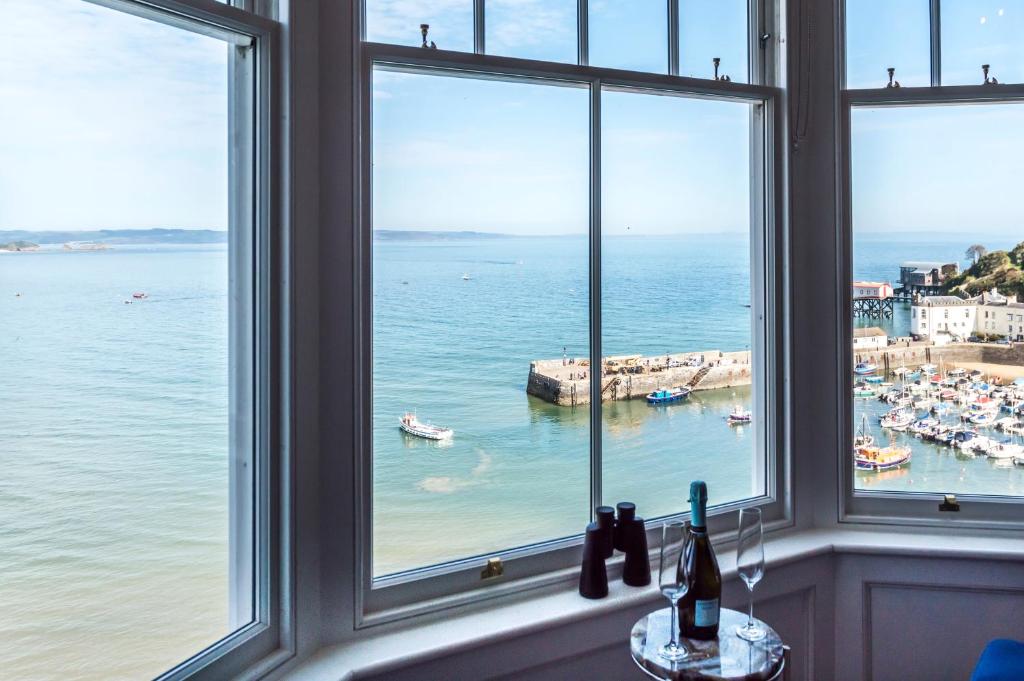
<point x="864" y="368"/>
<point x="665" y="396"/>
<point x="874" y="379"/>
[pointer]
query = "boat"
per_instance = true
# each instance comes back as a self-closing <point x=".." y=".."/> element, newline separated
<point x="924" y="426"/>
<point x="410" y="424"/>
<point x="881" y="458"/>
<point x="956" y="373"/>
<point x="739" y="416"/>
<point x="863" y="390"/>
<point x="982" y="418"/>
<point x="898" y="419"/>
<point x="1005" y="450"/>
<point x="863" y="438"/>
<point x="140" y="295"/>
<point x="665" y="396"/>
<point x="864" y="368"/>
<point x="466" y="277"/>
<point x="928" y="369"/>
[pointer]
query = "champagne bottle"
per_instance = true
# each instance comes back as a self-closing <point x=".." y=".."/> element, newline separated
<point x="700" y="607"/>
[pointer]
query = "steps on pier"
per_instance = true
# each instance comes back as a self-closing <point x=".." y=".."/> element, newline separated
<point x="698" y="377"/>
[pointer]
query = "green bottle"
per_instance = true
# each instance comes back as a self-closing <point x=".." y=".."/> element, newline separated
<point x="699" y="609"/>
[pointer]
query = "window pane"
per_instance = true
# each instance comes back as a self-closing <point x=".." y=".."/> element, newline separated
<point x="676" y="301"/>
<point x="976" y="33"/>
<point x="630" y="35"/>
<point x="126" y="467"/>
<point x="532" y="29"/>
<point x="882" y="34"/>
<point x="920" y="213"/>
<point x="399" y="21"/>
<point x="713" y="29"/>
<point x="480" y="270"/>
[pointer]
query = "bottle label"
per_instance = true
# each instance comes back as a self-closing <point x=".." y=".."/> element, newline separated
<point x="705" y="613"/>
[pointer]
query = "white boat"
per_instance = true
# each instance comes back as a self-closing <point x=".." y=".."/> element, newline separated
<point x="898" y="419"/>
<point x="465" y="276"/>
<point x="740" y="416"/>
<point x="1004" y="450"/>
<point x="410" y="424"/>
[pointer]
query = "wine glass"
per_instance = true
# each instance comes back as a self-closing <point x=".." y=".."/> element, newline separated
<point x="750" y="565"/>
<point x="674" y="582"/>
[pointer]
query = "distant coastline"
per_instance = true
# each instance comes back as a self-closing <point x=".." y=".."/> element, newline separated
<point x="435" y="235"/>
<point x="114" y="237"/>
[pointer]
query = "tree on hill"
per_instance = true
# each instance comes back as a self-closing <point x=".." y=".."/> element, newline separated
<point x="975" y="252"/>
<point x="1017" y="254"/>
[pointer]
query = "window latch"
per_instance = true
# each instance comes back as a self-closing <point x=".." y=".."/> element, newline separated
<point x="950" y="504"/>
<point x="494" y="568"/>
<point x="764" y="38"/>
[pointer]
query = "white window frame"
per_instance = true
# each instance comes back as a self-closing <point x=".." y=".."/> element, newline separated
<point x="856" y="506"/>
<point x="422" y="591"/>
<point x="259" y="474"/>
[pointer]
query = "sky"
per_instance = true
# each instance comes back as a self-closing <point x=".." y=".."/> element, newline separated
<point x="127" y="120"/>
<point x="109" y="121"/>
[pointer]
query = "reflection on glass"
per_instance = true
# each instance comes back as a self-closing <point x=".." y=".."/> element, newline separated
<point x="976" y="33"/>
<point x="713" y="29"/>
<point x="533" y="29"/>
<point x="399" y="22"/>
<point x="124" y="413"/>
<point x="480" y="266"/>
<point x="676" y="301"/>
<point x="631" y="35"/>
<point x="882" y="34"/>
<point x="938" y="267"/>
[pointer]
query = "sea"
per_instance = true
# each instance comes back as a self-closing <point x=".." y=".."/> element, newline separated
<point x="114" y="422"/>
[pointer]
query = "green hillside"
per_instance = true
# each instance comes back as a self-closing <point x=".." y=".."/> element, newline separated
<point x="1003" y="270"/>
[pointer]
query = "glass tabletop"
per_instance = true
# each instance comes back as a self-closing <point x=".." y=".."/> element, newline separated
<point x="727" y="658"/>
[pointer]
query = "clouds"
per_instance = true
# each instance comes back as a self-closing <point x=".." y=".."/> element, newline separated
<point x="109" y="120"/>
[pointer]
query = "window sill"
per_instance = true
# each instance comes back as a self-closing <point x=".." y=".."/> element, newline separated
<point x="396" y="649"/>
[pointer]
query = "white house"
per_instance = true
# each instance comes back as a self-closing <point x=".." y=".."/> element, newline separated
<point x="872" y="289"/>
<point x="935" y="316"/>
<point x="999" y="314"/>
<point x="870" y="338"/>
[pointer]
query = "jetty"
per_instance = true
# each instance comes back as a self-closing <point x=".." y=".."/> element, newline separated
<point x="566" y="381"/>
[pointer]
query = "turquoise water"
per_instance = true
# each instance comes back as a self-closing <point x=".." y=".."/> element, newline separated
<point x="517" y="471"/>
<point x="113" y="452"/>
<point x="114" y="438"/>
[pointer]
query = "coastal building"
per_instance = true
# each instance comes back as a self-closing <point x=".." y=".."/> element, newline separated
<point x="926" y="277"/>
<point x="870" y="338"/>
<point x="872" y="289"/>
<point x="949" y="316"/>
<point x="1000" y="315"/>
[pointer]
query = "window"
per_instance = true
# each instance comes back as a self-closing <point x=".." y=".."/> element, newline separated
<point x="939" y="429"/>
<point x="135" y="391"/>
<point x="540" y="256"/>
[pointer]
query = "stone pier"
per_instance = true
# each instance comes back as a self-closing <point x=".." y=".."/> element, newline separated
<point x="566" y="382"/>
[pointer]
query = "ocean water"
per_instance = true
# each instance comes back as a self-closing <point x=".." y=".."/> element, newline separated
<point x="114" y="422"/>
<point x="517" y="471"/>
<point x="113" y="452"/>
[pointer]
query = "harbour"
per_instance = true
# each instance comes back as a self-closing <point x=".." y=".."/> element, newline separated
<point x="566" y="381"/>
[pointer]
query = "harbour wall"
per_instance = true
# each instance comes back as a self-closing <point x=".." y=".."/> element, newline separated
<point x="559" y="383"/>
<point x="914" y="355"/>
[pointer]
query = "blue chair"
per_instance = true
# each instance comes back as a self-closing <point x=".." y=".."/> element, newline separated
<point x="1002" y="660"/>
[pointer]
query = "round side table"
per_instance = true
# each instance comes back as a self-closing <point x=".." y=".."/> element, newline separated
<point x="727" y="658"/>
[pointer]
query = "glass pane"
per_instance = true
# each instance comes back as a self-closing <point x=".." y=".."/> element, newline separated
<point x="126" y="464"/>
<point x="882" y="34"/>
<point x="713" y="29"/>
<point x="982" y="32"/>
<point x="532" y="29"/>
<point x="928" y="320"/>
<point x="480" y="261"/>
<point x="676" y="302"/>
<point x="399" y="22"/>
<point x="631" y="35"/>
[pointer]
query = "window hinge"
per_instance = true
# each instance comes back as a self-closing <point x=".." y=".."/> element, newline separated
<point x="950" y="504"/>
<point x="494" y="568"/>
